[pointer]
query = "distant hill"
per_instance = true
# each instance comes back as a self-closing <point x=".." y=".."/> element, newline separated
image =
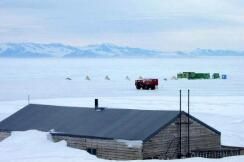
<point x="210" y="52"/>
<point x="111" y="50"/>
<point x="59" y="50"/>
<point x="37" y="50"/>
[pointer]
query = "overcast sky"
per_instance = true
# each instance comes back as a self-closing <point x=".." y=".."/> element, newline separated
<point x="158" y="24"/>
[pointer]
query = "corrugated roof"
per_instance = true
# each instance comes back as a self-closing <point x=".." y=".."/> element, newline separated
<point x="128" y="124"/>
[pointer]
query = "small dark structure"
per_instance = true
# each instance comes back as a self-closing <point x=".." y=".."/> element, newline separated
<point x="224" y="76"/>
<point x="123" y="134"/>
<point x="216" y="76"/>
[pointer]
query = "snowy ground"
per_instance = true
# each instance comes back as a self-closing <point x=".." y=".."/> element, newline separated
<point x="45" y="78"/>
<point x="219" y="103"/>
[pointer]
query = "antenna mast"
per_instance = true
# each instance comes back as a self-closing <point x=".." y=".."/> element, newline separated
<point x="180" y="127"/>
<point x="188" y="129"/>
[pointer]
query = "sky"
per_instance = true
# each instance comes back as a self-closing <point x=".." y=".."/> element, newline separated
<point x="166" y="25"/>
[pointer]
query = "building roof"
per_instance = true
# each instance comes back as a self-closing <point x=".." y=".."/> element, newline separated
<point x="128" y="124"/>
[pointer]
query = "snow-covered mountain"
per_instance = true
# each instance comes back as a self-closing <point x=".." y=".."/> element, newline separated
<point x="60" y="50"/>
<point x="210" y="52"/>
<point x="35" y="50"/>
<point x="25" y="50"/>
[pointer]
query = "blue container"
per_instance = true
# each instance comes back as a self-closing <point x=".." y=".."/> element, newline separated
<point x="224" y="76"/>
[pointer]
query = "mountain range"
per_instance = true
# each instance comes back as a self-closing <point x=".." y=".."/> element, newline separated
<point x="106" y="50"/>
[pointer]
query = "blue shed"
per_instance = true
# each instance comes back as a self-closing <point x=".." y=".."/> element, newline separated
<point x="224" y="76"/>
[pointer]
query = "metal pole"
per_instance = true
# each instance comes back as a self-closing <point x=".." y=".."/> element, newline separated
<point x="188" y="122"/>
<point x="96" y="103"/>
<point x="180" y="126"/>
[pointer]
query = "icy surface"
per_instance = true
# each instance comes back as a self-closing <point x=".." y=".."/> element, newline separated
<point x="46" y="78"/>
<point x="37" y="146"/>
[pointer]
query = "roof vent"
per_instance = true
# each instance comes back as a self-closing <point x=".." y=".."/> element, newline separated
<point x="96" y="104"/>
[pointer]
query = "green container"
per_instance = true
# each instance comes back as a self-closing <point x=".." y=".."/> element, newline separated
<point x="193" y="75"/>
<point x="202" y="76"/>
<point x="188" y="75"/>
<point x="179" y="75"/>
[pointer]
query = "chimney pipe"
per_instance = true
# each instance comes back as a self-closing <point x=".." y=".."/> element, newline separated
<point x="96" y="104"/>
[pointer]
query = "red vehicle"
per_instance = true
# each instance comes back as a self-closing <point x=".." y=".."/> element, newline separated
<point x="146" y="84"/>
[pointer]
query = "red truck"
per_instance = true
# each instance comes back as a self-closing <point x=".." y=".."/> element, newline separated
<point x="146" y="84"/>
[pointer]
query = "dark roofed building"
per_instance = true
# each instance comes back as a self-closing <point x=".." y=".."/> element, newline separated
<point x="87" y="122"/>
<point x="124" y="134"/>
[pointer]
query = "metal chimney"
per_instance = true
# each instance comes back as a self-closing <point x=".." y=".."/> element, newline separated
<point x="96" y="104"/>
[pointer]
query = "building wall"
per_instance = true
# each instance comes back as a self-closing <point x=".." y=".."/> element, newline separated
<point x="242" y="152"/>
<point x="106" y="149"/>
<point x="165" y="144"/>
<point x="4" y="135"/>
